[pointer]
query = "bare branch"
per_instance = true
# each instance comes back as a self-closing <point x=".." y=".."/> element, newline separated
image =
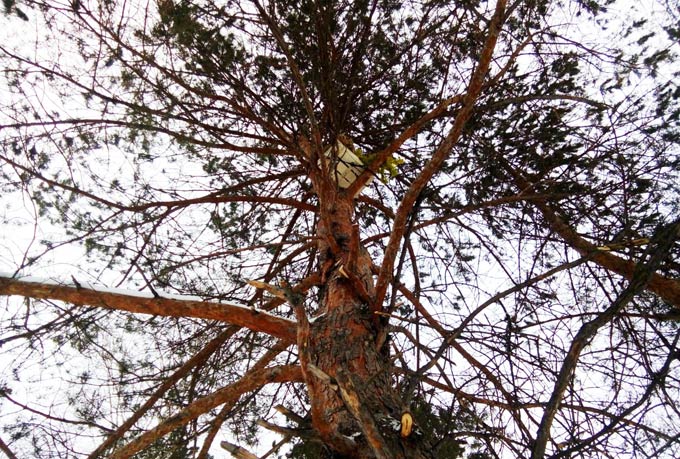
<point x="642" y="275"/>
<point x="250" y="381"/>
<point x="442" y="152"/>
<point x="259" y="321"/>
<point x="5" y="449"/>
<point x="668" y="289"/>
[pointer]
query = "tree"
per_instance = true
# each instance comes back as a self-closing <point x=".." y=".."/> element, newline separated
<point x="509" y="281"/>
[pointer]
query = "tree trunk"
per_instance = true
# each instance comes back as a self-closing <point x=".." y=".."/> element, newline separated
<point x="360" y="402"/>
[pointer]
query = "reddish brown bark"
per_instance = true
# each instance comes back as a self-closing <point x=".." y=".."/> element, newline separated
<point x="441" y="153"/>
<point x="359" y="394"/>
<point x="668" y="289"/>
<point x="252" y="380"/>
<point x="5" y="449"/>
<point x="355" y="392"/>
<point x="234" y="314"/>
<point x="193" y="362"/>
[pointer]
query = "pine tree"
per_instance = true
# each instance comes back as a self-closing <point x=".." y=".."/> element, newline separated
<point x="507" y="287"/>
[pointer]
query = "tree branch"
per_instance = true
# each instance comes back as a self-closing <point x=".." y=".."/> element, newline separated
<point x="5" y="449"/>
<point x="663" y="241"/>
<point x="225" y="411"/>
<point x="440" y="154"/>
<point x="198" y="359"/>
<point x="229" y="394"/>
<point x="172" y="306"/>
<point x="668" y="289"/>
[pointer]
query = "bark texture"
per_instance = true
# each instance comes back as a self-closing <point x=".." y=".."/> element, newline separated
<point x="357" y="409"/>
<point x="80" y="294"/>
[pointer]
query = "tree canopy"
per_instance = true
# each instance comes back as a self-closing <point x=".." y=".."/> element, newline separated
<point x="497" y="277"/>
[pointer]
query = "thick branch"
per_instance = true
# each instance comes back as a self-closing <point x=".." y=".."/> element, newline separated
<point x="641" y="276"/>
<point x="441" y="153"/>
<point x="227" y="408"/>
<point x="411" y="131"/>
<point x="197" y="359"/>
<point x="668" y="289"/>
<point x="229" y="394"/>
<point x="354" y="403"/>
<point x="178" y="306"/>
